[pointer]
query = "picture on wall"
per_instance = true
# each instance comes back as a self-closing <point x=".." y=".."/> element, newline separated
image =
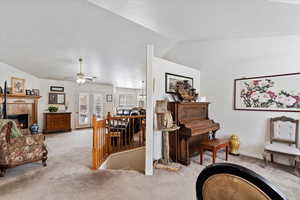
<point x="57" y="98"/>
<point x="18" y="86"/>
<point x="35" y="92"/>
<point x="57" y="89"/>
<point x="268" y="93"/>
<point x="28" y="92"/>
<point x="172" y="79"/>
<point x="109" y="98"/>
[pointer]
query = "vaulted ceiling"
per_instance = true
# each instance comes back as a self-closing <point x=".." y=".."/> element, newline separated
<point x="46" y="37"/>
<point x="210" y="19"/>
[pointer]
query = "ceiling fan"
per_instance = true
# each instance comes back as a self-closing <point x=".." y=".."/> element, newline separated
<point x="81" y="77"/>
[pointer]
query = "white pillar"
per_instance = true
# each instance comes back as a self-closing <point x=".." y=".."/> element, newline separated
<point x="150" y="112"/>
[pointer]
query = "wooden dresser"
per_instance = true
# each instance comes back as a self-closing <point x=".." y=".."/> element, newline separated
<point x="57" y="122"/>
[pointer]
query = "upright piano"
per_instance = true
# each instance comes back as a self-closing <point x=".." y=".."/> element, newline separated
<point x="194" y="127"/>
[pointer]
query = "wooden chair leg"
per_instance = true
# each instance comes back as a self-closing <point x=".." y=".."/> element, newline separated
<point x="2" y="172"/>
<point x="45" y="157"/>
<point x="227" y="152"/>
<point x="44" y="162"/>
<point x="265" y="156"/>
<point x="272" y="158"/>
<point x="297" y="167"/>
<point x="201" y="156"/>
<point x="214" y="156"/>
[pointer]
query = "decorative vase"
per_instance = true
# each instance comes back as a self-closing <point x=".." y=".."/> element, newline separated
<point x="234" y="145"/>
<point x="34" y="128"/>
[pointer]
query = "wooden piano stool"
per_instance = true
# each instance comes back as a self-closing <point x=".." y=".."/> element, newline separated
<point x="213" y="145"/>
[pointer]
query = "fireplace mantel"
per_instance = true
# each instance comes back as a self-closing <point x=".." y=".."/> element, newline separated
<point x="22" y="104"/>
<point x="14" y="96"/>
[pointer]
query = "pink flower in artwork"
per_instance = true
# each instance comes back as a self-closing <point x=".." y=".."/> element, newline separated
<point x="264" y="98"/>
<point x="271" y="94"/>
<point x="255" y="95"/>
<point x="256" y="82"/>
<point x="290" y="100"/>
<point x="297" y="98"/>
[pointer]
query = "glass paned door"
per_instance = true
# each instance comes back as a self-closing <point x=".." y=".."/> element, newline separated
<point x="98" y="106"/>
<point x="84" y="110"/>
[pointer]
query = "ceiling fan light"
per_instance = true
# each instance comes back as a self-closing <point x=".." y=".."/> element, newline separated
<point x="80" y="81"/>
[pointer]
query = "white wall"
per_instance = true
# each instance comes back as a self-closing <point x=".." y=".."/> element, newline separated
<point x="160" y="67"/>
<point x="223" y="61"/>
<point x="72" y="91"/>
<point x="7" y="71"/>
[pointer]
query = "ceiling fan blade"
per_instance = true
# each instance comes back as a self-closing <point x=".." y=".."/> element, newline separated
<point x="90" y="77"/>
<point x="69" y="78"/>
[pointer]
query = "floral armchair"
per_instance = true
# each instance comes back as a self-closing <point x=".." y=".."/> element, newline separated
<point x="20" y="150"/>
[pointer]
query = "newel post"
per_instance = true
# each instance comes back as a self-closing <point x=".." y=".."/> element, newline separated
<point x="94" y="152"/>
<point x="108" y="115"/>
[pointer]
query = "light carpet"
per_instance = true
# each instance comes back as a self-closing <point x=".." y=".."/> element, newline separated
<point x="68" y="176"/>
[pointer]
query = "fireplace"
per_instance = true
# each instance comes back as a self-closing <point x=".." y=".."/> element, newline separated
<point x="22" y="109"/>
<point x="21" y="120"/>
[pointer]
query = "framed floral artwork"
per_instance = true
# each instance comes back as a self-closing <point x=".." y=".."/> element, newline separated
<point x="268" y="93"/>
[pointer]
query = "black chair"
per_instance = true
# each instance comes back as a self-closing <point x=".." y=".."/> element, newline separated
<point x="227" y="181"/>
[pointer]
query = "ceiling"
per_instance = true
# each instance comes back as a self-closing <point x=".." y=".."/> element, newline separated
<point x="210" y="19"/>
<point x="46" y="37"/>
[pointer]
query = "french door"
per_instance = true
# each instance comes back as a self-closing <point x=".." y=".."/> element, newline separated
<point x="89" y="105"/>
<point x="84" y="116"/>
<point x="98" y="106"/>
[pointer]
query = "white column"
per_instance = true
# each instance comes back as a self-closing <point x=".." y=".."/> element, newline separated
<point x="150" y="112"/>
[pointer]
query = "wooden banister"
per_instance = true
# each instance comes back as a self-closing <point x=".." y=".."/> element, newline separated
<point x="116" y="134"/>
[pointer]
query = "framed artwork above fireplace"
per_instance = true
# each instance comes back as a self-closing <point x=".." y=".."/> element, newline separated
<point x="268" y="93"/>
<point x="18" y="86"/>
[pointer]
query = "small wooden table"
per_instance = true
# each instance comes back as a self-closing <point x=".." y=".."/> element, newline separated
<point x="165" y="162"/>
<point x="213" y="145"/>
<point x="166" y="145"/>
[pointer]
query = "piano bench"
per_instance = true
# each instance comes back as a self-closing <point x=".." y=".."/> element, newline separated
<point x="213" y="145"/>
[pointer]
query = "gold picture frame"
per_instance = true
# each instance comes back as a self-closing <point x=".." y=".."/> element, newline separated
<point x="18" y="86"/>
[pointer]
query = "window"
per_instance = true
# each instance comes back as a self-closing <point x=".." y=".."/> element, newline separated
<point x="126" y="100"/>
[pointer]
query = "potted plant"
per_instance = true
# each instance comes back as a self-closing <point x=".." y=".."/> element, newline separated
<point x="53" y="109"/>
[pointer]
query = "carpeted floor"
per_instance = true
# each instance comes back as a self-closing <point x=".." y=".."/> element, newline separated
<point x="68" y="176"/>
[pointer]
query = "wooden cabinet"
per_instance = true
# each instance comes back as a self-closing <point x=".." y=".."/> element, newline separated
<point x="57" y="122"/>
